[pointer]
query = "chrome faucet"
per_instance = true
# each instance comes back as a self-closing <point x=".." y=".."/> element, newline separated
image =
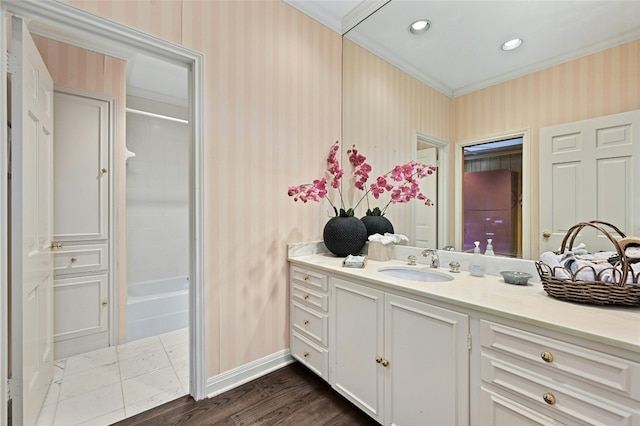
<point x="435" y="261"/>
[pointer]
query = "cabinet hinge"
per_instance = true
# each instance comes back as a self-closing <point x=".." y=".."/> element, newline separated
<point x="12" y="63"/>
<point x="469" y="341"/>
<point x="9" y="387"/>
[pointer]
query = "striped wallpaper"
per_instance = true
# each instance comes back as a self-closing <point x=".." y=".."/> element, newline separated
<point x="272" y="110"/>
<point x="383" y="109"/>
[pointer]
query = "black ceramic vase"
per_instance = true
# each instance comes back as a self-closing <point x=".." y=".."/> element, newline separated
<point x="344" y="235"/>
<point x="377" y="225"/>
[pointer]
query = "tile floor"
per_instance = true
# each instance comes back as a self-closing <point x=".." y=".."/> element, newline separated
<point x="111" y="384"/>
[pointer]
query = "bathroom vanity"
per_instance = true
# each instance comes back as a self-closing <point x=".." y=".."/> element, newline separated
<point x="473" y="350"/>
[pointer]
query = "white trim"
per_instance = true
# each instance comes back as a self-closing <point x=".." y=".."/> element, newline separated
<point x="339" y="24"/>
<point x="4" y="221"/>
<point x="361" y="12"/>
<point x="442" y="205"/>
<point x="526" y="186"/>
<point x="62" y="22"/>
<point x="245" y="373"/>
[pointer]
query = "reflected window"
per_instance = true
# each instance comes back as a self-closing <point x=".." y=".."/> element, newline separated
<point x="492" y="196"/>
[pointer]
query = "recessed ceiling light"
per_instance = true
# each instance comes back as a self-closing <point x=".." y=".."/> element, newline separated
<point x="511" y="44"/>
<point x="420" y="26"/>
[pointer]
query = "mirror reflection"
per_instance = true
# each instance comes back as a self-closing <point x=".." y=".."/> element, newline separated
<point x="492" y="194"/>
<point x="388" y="102"/>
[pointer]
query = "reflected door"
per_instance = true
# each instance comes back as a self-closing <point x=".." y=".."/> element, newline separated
<point x="426" y="217"/>
<point x="589" y="170"/>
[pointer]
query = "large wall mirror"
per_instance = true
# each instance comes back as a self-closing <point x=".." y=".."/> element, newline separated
<point x="411" y="96"/>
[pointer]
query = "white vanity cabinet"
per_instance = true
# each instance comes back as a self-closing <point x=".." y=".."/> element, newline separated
<point x="309" y="319"/>
<point x="467" y="352"/>
<point x="402" y="361"/>
<point x="528" y="378"/>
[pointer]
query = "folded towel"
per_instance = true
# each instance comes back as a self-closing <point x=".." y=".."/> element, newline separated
<point x="355" y="261"/>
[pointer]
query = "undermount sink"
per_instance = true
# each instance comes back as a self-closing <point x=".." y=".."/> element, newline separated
<point x="414" y="274"/>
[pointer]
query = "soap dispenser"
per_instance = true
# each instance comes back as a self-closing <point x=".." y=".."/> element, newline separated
<point x="476" y="268"/>
<point x="489" y="251"/>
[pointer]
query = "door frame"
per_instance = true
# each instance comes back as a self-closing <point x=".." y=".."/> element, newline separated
<point x="64" y="23"/>
<point x="443" y="148"/>
<point x="526" y="186"/>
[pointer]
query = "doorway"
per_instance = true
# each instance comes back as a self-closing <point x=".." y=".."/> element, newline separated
<point x="509" y="152"/>
<point x="431" y="224"/>
<point x="80" y="28"/>
<point x="492" y="195"/>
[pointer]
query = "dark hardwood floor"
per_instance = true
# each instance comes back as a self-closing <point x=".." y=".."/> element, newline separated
<point x="292" y="395"/>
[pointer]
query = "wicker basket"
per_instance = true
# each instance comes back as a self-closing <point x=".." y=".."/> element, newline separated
<point x="619" y="292"/>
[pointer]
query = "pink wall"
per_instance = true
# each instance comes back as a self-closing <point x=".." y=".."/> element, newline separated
<point x="384" y="107"/>
<point x="272" y="108"/>
<point x="603" y="83"/>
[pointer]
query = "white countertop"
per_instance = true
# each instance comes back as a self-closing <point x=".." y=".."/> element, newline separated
<point x="611" y="325"/>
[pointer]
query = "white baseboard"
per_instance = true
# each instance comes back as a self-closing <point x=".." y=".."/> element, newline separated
<point x="245" y="373"/>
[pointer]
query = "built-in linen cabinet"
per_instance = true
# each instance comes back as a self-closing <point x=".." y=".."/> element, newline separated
<point x="528" y="378"/>
<point x="81" y="287"/>
<point x="309" y="319"/>
<point x="402" y="361"/>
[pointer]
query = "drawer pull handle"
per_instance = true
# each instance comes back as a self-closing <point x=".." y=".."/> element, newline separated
<point x="74" y="259"/>
<point x="546" y="356"/>
<point x="385" y="363"/>
<point x="549" y="398"/>
<point x="305" y="297"/>
<point x="305" y="354"/>
<point x="305" y="322"/>
<point x="379" y="359"/>
<point x="306" y="278"/>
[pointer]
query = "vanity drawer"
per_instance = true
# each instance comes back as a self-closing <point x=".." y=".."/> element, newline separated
<point x="553" y="356"/>
<point x="309" y="297"/>
<point x="311" y="355"/>
<point x="307" y="278"/>
<point x="310" y="323"/>
<point x="71" y="259"/>
<point x="548" y="396"/>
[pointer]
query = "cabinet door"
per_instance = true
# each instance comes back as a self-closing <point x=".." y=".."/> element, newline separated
<point x="426" y="348"/>
<point x="81" y="315"/>
<point x="356" y="342"/>
<point x="81" y="167"/>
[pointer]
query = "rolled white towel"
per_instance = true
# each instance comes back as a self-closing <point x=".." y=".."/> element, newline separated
<point x="552" y="261"/>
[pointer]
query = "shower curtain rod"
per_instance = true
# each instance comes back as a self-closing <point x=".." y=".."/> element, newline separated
<point x="150" y="114"/>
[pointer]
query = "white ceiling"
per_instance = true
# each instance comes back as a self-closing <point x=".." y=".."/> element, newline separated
<point x="157" y="79"/>
<point x="461" y="52"/>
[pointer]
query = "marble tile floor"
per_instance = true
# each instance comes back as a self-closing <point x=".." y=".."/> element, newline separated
<point x="108" y="385"/>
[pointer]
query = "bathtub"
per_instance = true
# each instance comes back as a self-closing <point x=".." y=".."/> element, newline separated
<point x="155" y="307"/>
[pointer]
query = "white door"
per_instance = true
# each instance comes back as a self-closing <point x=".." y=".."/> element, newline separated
<point x="81" y="167"/>
<point x="428" y="364"/>
<point x="356" y="343"/>
<point x="31" y="218"/>
<point x="589" y="170"/>
<point x="426" y="217"/>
